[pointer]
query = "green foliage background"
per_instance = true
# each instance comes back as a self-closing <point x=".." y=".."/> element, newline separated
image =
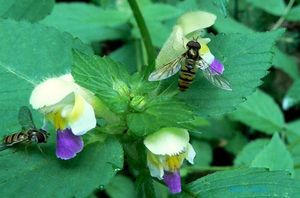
<point x="249" y="137"/>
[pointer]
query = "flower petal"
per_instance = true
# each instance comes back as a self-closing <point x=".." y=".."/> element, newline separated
<point x="208" y="57"/>
<point x="167" y="141"/>
<point x="173" y="181"/>
<point x="288" y="102"/>
<point x="190" y="154"/>
<point x="67" y="144"/>
<point x="155" y="166"/>
<point x="50" y="92"/>
<point x="217" y="67"/>
<point x="193" y="21"/>
<point x="173" y="48"/>
<point x="82" y="117"/>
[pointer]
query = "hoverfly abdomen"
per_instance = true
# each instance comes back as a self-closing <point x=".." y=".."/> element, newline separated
<point x="187" y="74"/>
<point x="15" y="138"/>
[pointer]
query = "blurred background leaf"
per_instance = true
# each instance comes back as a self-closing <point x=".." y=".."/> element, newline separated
<point x="275" y="7"/>
<point x="261" y="113"/>
<point x="292" y="96"/>
<point x="274" y="156"/>
<point x="88" y="22"/>
<point x="248" y="153"/>
<point x="120" y="186"/>
<point x="29" y="10"/>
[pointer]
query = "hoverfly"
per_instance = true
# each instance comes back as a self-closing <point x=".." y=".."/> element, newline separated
<point x="188" y="64"/>
<point x="29" y="133"/>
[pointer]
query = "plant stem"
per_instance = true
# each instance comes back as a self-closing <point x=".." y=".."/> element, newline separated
<point x="144" y="32"/>
<point x="282" y="18"/>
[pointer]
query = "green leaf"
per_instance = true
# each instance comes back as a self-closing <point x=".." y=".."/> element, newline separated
<point x="250" y="183"/>
<point x="236" y="143"/>
<point x="218" y="128"/>
<point x="104" y="77"/>
<point x="274" y="156"/>
<point x="120" y="187"/>
<point x="29" y="53"/>
<point x="158" y="37"/>
<point x="204" y="153"/>
<point x="160" y="12"/>
<point x="261" y="113"/>
<point x="92" y="168"/>
<point x="88" y="22"/>
<point x="286" y="63"/>
<point x="293" y="136"/>
<point x="128" y="55"/>
<point x="161" y="190"/>
<point x="281" y="60"/>
<point x="29" y="10"/>
<point x="144" y="186"/>
<point x="294" y="14"/>
<point x="275" y="7"/>
<point x="162" y="112"/>
<point x="230" y="25"/>
<point x="293" y="127"/>
<point x="246" y="58"/>
<point x="223" y="6"/>
<point x="248" y="153"/>
<point x="292" y="96"/>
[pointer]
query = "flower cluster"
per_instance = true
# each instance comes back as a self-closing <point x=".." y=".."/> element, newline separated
<point x="71" y="108"/>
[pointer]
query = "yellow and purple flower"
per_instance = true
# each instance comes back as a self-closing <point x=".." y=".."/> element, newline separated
<point x="190" y="26"/>
<point x="69" y="107"/>
<point x="166" y="151"/>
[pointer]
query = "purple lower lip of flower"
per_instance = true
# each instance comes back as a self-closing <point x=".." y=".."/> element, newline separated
<point x="67" y="144"/>
<point x="173" y="181"/>
<point x="217" y="67"/>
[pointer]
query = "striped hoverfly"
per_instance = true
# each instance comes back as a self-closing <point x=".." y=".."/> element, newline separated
<point x="188" y="64"/>
<point x="28" y="134"/>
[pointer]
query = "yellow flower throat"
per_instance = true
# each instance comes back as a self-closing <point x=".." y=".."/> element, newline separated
<point x="174" y="162"/>
<point x="59" y="121"/>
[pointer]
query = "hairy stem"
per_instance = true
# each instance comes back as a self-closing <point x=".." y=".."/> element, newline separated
<point x="282" y="18"/>
<point x="144" y="33"/>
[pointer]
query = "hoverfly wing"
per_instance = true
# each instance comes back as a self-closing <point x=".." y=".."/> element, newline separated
<point x="213" y="76"/>
<point x="166" y="70"/>
<point x="25" y="118"/>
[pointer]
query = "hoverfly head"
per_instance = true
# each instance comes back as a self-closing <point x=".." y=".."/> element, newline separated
<point x="44" y="132"/>
<point x="193" y="44"/>
<point x="33" y="136"/>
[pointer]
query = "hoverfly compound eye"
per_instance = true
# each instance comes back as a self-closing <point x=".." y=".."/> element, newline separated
<point x="193" y="44"/>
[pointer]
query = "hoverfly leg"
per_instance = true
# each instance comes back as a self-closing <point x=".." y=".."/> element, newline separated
<point x="40" y="148"/>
